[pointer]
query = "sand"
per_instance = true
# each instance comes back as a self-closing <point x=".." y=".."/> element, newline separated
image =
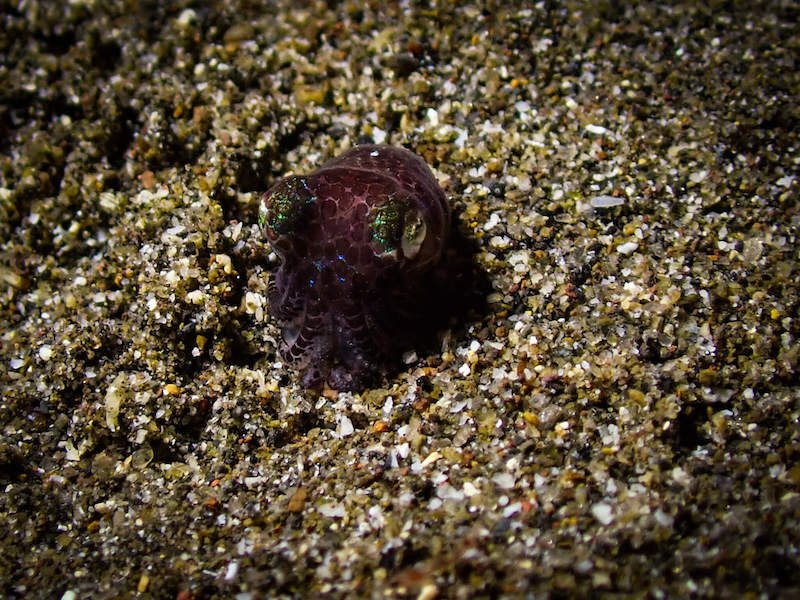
<point x="617" y="416"/>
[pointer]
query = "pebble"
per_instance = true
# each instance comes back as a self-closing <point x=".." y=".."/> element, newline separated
<point x="606" y="201"/>
<point x="603" y="512"/>
<point x="627" y="247"/>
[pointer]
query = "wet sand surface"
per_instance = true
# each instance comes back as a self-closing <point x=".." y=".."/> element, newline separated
<point x="617" y="416"/>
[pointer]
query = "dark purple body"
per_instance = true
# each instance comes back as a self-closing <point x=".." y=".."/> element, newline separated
<point x="357" y="239"/>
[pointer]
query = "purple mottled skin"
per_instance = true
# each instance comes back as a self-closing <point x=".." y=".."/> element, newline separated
<point x="356" y="240"/>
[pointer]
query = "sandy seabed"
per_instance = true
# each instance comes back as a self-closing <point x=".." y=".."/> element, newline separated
<point x="617" y="417"/>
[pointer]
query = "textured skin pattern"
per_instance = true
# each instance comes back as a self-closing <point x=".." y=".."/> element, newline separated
<point x="357" y="240"/>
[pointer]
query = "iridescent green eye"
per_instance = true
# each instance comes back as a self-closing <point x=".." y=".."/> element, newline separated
<point x="386" y="225"/>
<point x="396" y="224"/>
<point x="283" y="206"/>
